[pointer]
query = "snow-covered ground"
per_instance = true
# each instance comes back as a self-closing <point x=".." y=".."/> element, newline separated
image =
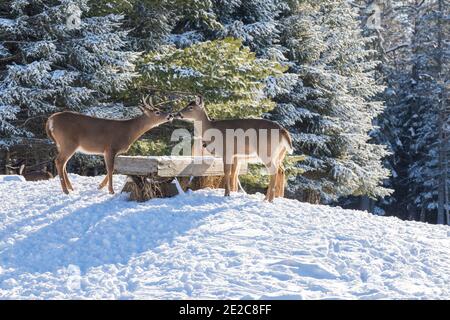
<point x="201" y="245"/>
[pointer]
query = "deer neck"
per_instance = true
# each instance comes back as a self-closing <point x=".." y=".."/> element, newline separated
<point x="205" y="123"/>
<point x="139" y="126"/>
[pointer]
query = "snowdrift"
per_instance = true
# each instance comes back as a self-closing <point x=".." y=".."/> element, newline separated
<point x="201" y="245"/>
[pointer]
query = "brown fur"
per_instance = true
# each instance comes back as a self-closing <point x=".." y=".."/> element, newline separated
<point x="74" y="132"/>
<point x="195" y="111"/>
<point x="35" y="175"/>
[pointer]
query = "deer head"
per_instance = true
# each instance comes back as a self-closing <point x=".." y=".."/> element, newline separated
<point x="153" y="113"/>
<point x="195" y="110"/>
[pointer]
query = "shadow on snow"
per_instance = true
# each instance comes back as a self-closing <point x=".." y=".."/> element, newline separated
<point x="109" y="232"/>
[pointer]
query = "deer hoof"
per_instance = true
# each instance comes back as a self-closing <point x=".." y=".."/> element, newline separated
<point x="111" y="191"/>
<point x="66" y="191"/>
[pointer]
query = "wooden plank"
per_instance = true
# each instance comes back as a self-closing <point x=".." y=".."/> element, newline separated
<point x="190" y="166"/>
<point x="136" y="165"/>
<point x="172" y="166"/>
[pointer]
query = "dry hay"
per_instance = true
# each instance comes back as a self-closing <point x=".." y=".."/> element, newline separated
<point x="197" y="183"/>
<point x="143" y="188"/>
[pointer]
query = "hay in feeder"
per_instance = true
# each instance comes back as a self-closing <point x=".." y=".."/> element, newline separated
<point x="197" y="183"/>
<point x="143" y="188"/>
<point x="213" y="182"/>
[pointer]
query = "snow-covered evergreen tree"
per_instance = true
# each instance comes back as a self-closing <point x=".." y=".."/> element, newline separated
<point x="53" y="58"/>
<point x="329" y="112"/>
<point x="413" y="125"/>
<point x="393" y="36"/>
<point x="429" y="171"/>
<point x="389" y="37"/>
<point x="255" y="22"/>
<point x="153" y="22"/>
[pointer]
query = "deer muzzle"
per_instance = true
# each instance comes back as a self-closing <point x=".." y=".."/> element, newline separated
<point x="178" y="115"/>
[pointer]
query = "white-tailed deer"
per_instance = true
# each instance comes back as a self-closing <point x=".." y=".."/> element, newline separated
<point x="74" y="132"/>
<point x="35" y="175"/>
<point x="239" y="139"/>
<point x="43" y="174"/>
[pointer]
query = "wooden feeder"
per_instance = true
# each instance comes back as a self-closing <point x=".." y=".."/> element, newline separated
<point x="153" y="177"/>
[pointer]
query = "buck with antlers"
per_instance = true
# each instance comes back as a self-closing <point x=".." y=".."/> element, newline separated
<point x="74" y="132"/>
<point x="240" y="139"/>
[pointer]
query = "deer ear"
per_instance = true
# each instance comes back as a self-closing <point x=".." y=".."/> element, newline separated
<point x="199" y="101"/>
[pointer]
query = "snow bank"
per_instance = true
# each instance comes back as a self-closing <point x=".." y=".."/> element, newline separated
<point x="11" y="177"/>
<point x="201" y="245"/>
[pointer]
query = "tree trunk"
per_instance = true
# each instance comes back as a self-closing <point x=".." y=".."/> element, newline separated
<point x="412" y="212"/>
<point x="311" y="196"/>
<point x="442" y="211"/>
<point x="7" y="161"/>
<point x="365" y="203"/>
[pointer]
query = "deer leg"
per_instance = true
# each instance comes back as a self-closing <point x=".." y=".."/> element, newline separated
<point x="272" y="169"/>
<point x="271" y="189"/>
<point x="66" y="177"/>
<point x="281" y="175"/>
<point x="109" y="161"/>
<point x="227" y="172"/>
<point x="279" y="190"/>
<point x="103" y="183"/>
<point x="234" y="175"/>
<point x="60" y="161"/>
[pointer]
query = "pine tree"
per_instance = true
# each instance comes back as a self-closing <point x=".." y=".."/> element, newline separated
<point x="415" y="62"/>
<point x="254" y="22"/>
<point x="388" y="34"/>
<point x="155" y="22"/>
<point x="329" y="111"/>
<point x="55" y="58"/>
<point x="428" y="172"/>
<point x="227" y="74"/>
<point x="394" y="37"/>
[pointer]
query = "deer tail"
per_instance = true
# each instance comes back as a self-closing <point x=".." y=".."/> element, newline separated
<point x="49" y="128"/>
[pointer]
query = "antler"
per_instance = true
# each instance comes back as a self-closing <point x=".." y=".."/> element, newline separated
<point x="147" y="103"/>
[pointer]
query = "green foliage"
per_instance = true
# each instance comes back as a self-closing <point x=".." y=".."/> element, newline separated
<point x="196" y="14"/>
<point x="226" y="73"/>
<point x="290" y="164"/>
<point x="145" y="147"/>
<point x="256" y="179"/>
<point x="110" y="6"/>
